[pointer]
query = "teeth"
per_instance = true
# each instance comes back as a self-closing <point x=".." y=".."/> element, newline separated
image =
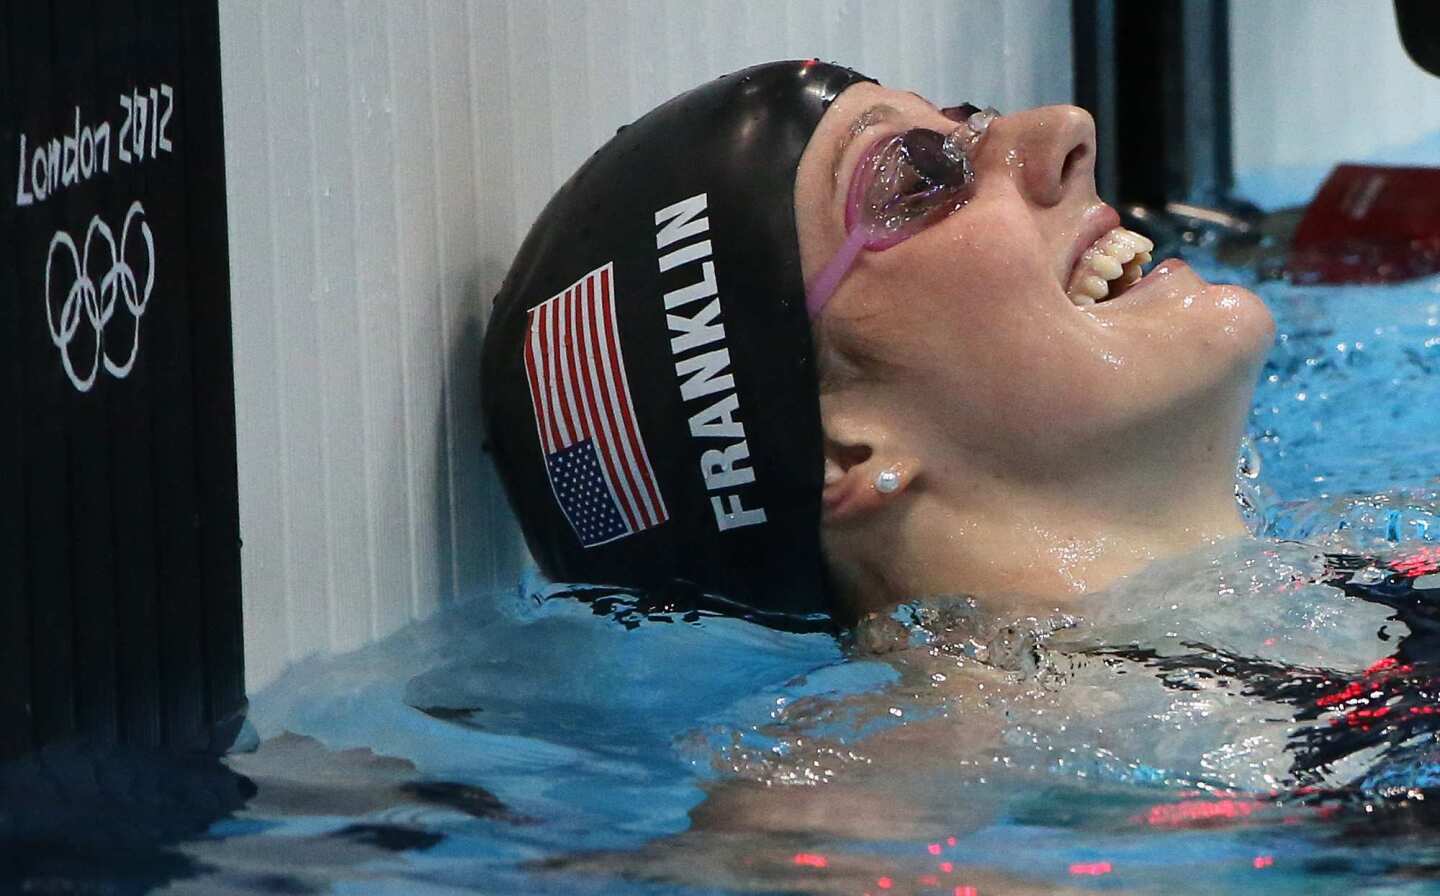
<point x="1093" y="287"/>
<point x="1117" y="257"/>
<point x="1127" y="242"/>
<point x="1107" y="266"/>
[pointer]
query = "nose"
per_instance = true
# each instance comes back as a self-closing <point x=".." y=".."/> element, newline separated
<point x="1051" y="151"/>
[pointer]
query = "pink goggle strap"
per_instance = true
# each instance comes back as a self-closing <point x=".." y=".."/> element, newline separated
<point x="828" y="280"/>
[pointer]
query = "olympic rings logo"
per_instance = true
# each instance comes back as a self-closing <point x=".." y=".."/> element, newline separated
<point x="95" y="304"/>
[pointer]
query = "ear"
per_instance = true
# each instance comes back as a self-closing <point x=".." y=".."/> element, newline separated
<point x="854" y="460"/>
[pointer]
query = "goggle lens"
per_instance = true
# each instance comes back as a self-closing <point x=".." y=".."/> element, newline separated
<point x="906" y="182"/>
<point x="901" y="185"/>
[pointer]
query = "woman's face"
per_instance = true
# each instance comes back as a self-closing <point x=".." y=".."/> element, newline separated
<point x="970" y="325"/>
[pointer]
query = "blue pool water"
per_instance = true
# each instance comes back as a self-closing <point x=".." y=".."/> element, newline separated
<point x="519" y="744"/>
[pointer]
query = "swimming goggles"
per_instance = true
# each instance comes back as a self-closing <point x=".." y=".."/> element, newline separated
<point x="902" y="184"/>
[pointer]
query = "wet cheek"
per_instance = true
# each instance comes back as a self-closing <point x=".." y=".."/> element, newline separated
<point x="1044" y="378"/>
<point x="935" y="285"/>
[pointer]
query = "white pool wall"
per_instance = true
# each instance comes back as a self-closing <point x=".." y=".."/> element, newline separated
<point x="385" y="157"/>
<point x="1316" y="82"/>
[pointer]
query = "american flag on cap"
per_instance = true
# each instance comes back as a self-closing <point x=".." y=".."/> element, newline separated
<point x="594" y="454"/>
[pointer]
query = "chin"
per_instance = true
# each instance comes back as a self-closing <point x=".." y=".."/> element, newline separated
<point x="1233" y="335"/>
<point x="1203" y="335"/>
<point x="1187" y="355"/>
<point x="1232" y="341"/>
<point x="1246" y="322"/>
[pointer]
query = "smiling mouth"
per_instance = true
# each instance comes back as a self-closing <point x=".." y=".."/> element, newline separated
<point x="1106" y="269"/>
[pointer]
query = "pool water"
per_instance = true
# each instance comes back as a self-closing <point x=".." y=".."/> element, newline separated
<point x="525" y="743"/>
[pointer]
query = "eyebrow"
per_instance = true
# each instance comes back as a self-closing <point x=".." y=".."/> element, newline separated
<point x="873" y="115"/>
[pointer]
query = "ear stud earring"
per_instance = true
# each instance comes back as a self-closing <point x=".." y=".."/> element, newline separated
<point x="888" y="481"/>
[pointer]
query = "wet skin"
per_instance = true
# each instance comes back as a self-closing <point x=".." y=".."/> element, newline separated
<point x="1043" y="448"/>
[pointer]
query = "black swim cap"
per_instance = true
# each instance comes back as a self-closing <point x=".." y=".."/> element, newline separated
<point x="649" y="381"/>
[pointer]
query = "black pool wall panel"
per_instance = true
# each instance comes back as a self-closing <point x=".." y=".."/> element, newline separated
<point x="1156" y="76"/>
<point x="119" y="536"/>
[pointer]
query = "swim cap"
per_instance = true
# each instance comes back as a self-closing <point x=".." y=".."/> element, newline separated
<point x="649" y="383"/>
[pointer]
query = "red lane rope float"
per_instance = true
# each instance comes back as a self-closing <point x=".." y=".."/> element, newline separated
<point x="1200" y="813"/>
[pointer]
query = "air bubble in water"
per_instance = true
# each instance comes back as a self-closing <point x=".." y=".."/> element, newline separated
<point x="1248" y="465"/>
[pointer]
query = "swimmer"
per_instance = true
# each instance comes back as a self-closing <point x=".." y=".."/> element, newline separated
<point x="804" y="347"/>
<point x="807" y="346"/>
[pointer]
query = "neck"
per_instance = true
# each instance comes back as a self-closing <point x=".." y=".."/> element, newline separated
<point x="1034" y="547"/>
<point x="1046" y="540"/>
